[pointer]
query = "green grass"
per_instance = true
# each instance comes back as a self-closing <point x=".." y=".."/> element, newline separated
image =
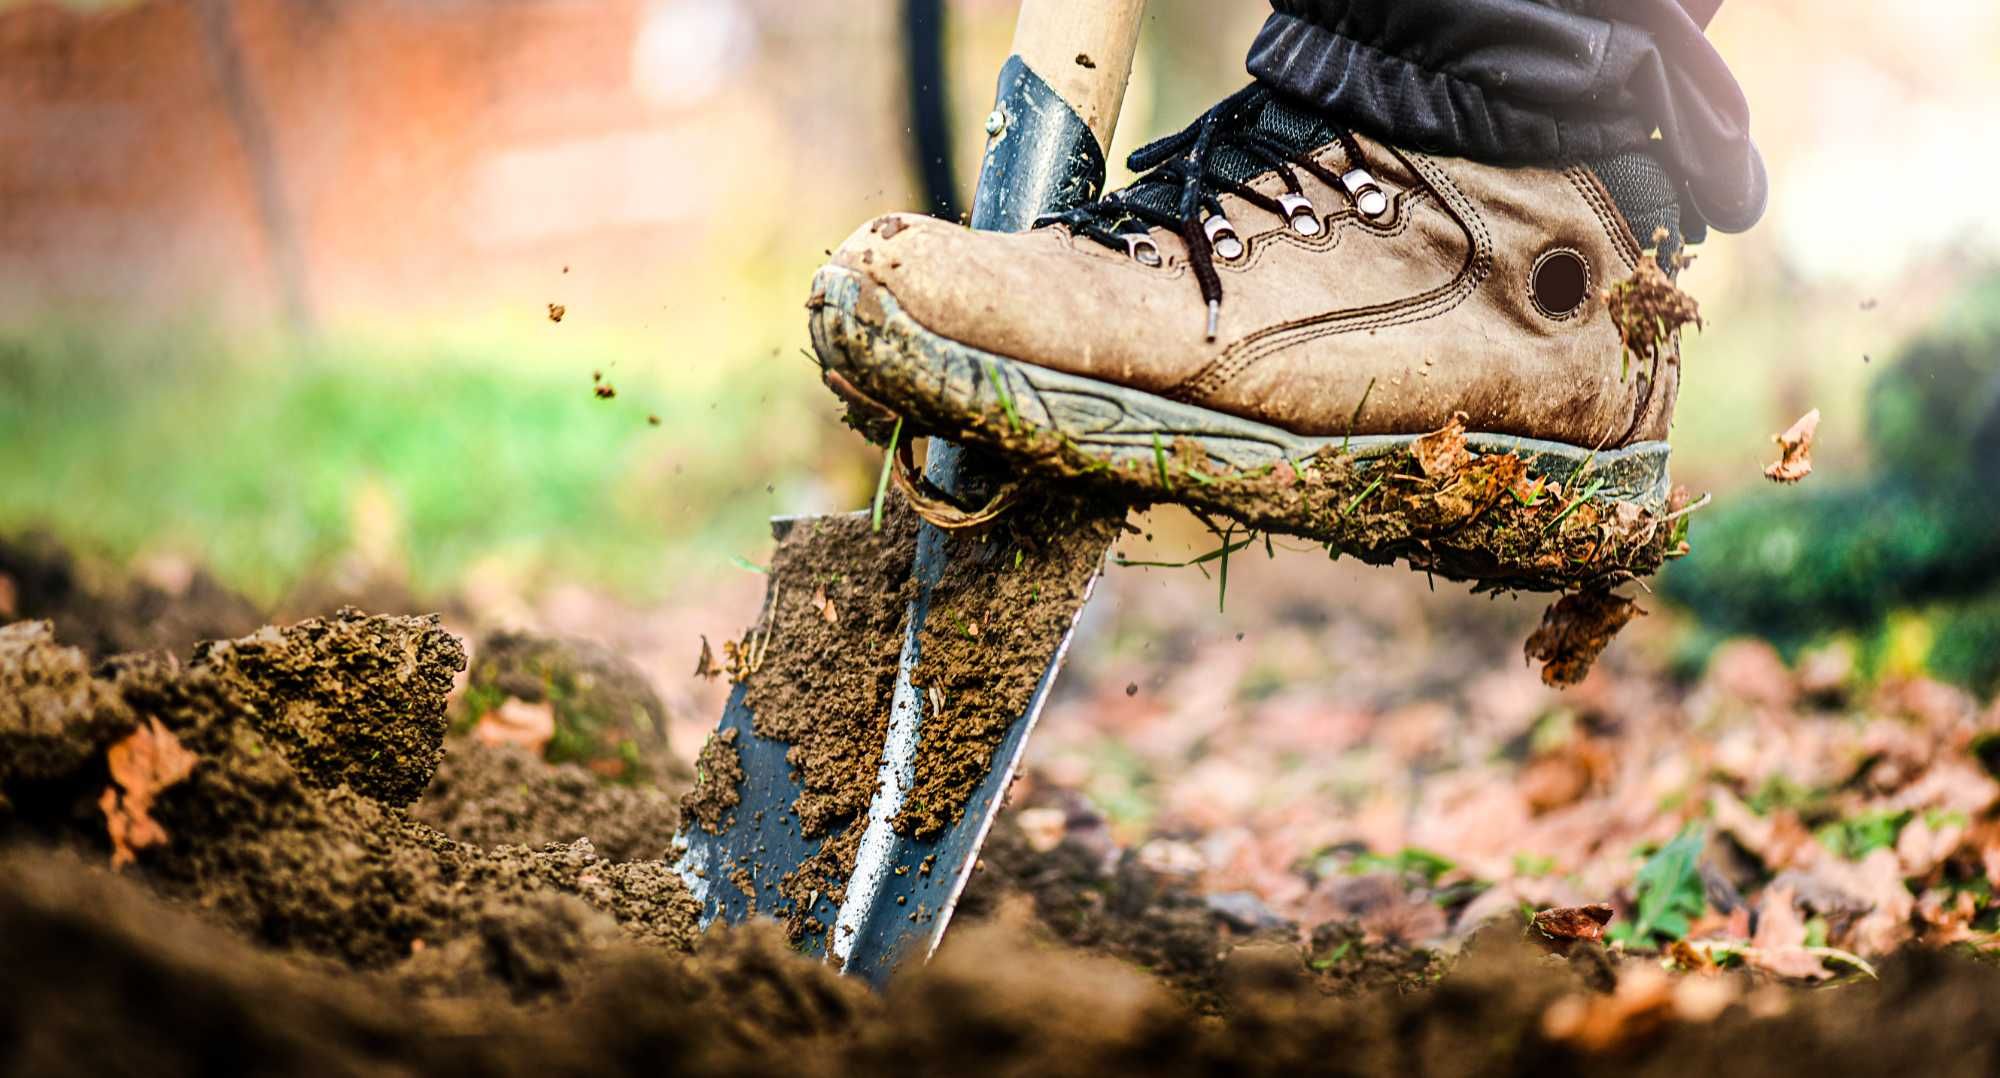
<point x="270" y="463"/>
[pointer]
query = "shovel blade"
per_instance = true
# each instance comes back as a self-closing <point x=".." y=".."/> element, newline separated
<point x="882" y="887"/>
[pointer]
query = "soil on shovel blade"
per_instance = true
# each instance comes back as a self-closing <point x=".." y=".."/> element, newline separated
<point x="822" y="664"/>
<point x="274" y="908"/>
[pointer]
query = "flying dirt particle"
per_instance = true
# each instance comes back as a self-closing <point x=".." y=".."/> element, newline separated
<point x="1563" y="926"/>
<point x="1649" y="309"/>
<point x="604" y="391"/>
<point x="705" y="667"/>
<point x="1869" y="304"/>
<point x="652" y="421"/>
<point x="1795" y="450"/>
<point x="596" y="376"/>
<point x="1131" y="688"/>
<point x="556" y="312"/>
<point x="565" y="269"/>
<point x="142" y="765"/>
<point x="1084" y="61"/>
<point x="1575" y="631"/>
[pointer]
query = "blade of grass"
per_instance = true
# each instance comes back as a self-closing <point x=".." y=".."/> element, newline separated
<point x="1006" y="398"/>
<point x="1363" y="496"/>
<point x="1191" y="563"/>
<point x="882" y="481"/>
<point x="742" y="562"/>
<point x="1160" y="459"/>
<point x="1222" y="590"/>
<point x="1588" y="493"/>
<point x="1356" y="417"/>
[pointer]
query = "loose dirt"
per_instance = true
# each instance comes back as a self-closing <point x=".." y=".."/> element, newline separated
<point x="290" y="922"/>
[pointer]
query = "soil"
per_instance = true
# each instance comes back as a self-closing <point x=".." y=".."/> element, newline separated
<point x="989" y="637"/>
<point x="823" y="684"/>
<point x="288" y="920"/>
<point x="718" y="783"/>
<point x="607" y="717"/>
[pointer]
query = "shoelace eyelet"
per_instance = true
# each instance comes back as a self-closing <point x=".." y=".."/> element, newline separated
<point x="1299" y="211"/>
<point x="1222" y="237"/>
<point x="1141" y="249"/>
<point x="1366" y="193"/>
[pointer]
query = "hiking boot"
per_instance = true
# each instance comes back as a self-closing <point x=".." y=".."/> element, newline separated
<point x="1307" y="329"/>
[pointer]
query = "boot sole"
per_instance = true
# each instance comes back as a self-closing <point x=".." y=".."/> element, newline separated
<point x="1051" y="420"/>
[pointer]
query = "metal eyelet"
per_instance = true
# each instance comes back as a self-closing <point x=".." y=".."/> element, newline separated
<point x="1141" y="248"/>
<point x="1222" y="237"/>
<point x="1367" y="194"/>
<point x="1298" y="210"/>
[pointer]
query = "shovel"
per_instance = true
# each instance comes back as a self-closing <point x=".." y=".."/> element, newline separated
<point x="928" y="649"/>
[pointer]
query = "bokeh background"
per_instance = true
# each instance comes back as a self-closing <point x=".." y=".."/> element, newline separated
<point x="276" y="280"/>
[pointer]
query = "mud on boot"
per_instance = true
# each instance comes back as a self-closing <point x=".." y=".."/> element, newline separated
<point x="1315" y="333"/>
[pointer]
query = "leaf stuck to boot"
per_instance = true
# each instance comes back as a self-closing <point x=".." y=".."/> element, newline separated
<point x="1649" y="309"/>
<point x="1574" y="632"/>
<point x="1794" y="450"/>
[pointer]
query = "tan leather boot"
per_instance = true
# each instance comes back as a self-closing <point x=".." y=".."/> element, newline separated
<point x="1277" y="290"/>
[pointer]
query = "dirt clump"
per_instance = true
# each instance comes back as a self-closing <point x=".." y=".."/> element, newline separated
<point x="289" y="849"/>
<point x="1004" y="603"/>
<point x="495" y="795"/>
<point x="350" y="699"/>
<point x="111" y="613"/>
<point x="718" y="783"/>
<point x="824" y="688"/>
<point x="607" y="716"/>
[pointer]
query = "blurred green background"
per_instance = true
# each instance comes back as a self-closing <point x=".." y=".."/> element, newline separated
<point x="275" y="278"/>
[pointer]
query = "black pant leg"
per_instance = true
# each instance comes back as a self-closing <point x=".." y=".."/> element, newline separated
<point x="1527" y="81"/>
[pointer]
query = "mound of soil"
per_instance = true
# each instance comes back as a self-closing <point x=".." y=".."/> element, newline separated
<point x="280" y="911"/>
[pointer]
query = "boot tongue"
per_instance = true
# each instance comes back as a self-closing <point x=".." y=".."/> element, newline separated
<point x="1276" y="120"/>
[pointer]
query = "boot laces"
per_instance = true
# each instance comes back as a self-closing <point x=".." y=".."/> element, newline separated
<point x="1182" y="179"/>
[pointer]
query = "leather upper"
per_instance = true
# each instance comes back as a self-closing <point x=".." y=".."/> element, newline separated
<point x="1433" y="305"/>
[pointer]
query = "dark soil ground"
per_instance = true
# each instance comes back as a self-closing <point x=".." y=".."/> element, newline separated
<point x="287" y="907"/>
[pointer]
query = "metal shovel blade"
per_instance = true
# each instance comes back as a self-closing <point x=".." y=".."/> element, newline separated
<point x="898" y="896"/>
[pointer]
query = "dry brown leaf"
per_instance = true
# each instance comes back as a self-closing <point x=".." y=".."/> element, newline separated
<point x="1442" y="453"/>
<point x="827" y="611"/>
<point x="1779" y="946"/>
<point x="517" y="722"/>
<point x="143" y="764"/>
<point x="1575" y="630"/>
<point x="1568" y="924"/>
<point x="1795" y="450"/>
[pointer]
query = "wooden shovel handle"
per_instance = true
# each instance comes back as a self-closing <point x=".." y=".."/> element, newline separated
<point x="1082" y="48"/>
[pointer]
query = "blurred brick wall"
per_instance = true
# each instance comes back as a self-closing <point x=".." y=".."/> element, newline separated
<point x="425" y="149"/>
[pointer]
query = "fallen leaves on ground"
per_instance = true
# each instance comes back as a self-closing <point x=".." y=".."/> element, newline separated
<point x="1568" y="924"/>
<point x="1576" y="630"/>
<point x="143" y="764"/>
<point x="1794" y="450"/>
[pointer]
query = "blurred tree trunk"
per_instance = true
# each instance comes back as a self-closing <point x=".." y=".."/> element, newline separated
<point x="253" y="130"/>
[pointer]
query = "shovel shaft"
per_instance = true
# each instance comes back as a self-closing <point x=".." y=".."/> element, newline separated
<point x="1083" y="50"/>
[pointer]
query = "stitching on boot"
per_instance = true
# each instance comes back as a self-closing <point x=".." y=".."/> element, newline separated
<point x="1477" y="268"/>
<point x="1594" y="194"/>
